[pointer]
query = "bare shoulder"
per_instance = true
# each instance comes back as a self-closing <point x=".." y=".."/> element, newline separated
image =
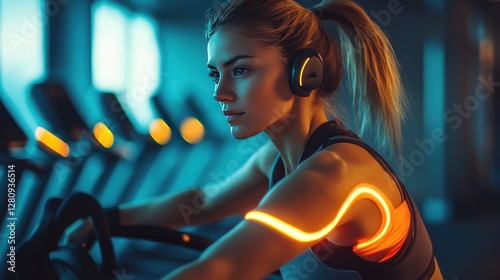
<point x="324" y="184"/>
<point x="358" y="166"/>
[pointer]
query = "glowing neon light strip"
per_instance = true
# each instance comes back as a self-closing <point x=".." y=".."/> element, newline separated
<point x="299" y="235"/>
<point x="51" y="141"/>
<point x="103" y="135"/>
<point x="302" y="70"/>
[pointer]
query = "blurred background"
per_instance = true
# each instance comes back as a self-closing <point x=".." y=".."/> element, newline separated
<point x="112" y="98"/>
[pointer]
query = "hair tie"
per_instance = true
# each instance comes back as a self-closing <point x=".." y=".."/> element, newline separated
<point x="318" y="11"/>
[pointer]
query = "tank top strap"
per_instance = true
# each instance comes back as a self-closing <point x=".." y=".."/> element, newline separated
<point x="315" y="143"/>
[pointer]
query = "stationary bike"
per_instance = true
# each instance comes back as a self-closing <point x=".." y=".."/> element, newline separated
<point x="40" y="256"/>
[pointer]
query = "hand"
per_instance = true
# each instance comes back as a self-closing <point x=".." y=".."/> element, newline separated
<point x="77" y="231"/>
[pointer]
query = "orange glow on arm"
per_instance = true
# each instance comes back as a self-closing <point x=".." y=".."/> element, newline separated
<point x="51" y="141"/>
<point x="389" y="244"/>
<point x="361" y="191"/>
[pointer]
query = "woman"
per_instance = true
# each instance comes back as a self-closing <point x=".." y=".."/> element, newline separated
<point x="318" y="202"/>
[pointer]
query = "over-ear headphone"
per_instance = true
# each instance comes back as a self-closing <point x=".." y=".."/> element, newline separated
<point x="306" y="73"/>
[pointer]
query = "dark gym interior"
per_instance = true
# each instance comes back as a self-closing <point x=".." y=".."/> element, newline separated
<point x="112" y="98"/>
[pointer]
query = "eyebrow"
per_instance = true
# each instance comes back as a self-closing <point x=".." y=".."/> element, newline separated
<point x="232" y="60"/>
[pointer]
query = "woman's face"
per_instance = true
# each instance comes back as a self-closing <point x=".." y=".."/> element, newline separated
<point x="251" y="82"/>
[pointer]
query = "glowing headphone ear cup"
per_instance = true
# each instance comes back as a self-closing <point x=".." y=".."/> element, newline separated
<point x="310" y="78"/>
<point x="306" y="72"/>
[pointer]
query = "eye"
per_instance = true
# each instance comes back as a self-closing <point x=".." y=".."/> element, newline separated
<point x="214" y="75"/>
<point x="240" y="71"/>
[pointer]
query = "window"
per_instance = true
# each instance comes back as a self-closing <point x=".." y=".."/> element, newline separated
<point x="125" y="58"/>
<point x="22" y="27"/>
<point x="108" y="49"/>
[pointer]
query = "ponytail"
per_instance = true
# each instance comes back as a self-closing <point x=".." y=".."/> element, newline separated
<point x="370" y="72"/>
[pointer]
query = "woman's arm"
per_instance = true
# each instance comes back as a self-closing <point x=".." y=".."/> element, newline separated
<point x="241" y="192"/>
<point x="309" y="199"/>
<point x="249" y="251"/>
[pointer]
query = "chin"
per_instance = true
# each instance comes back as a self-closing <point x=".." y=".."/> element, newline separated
<point x="240" y="133"/>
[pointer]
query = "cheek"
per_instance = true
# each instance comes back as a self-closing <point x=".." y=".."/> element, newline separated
<point x="269" y="87"/>
<point x="271" y="101"/>
<point x="279" y="97"/>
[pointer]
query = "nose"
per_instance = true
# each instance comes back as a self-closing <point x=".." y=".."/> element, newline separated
<point x="224" y="92"/>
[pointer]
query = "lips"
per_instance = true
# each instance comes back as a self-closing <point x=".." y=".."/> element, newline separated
<point x="232" y="116"/>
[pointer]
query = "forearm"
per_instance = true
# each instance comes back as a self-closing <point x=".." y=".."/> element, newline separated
<point x="170" y="210"/>
<point x="207" y="270"/>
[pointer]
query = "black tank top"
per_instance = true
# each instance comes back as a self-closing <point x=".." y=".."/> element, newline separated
<point x="325" y="260"/>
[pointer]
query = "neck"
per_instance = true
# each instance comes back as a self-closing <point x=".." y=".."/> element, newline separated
<point x="290" y="134"/>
